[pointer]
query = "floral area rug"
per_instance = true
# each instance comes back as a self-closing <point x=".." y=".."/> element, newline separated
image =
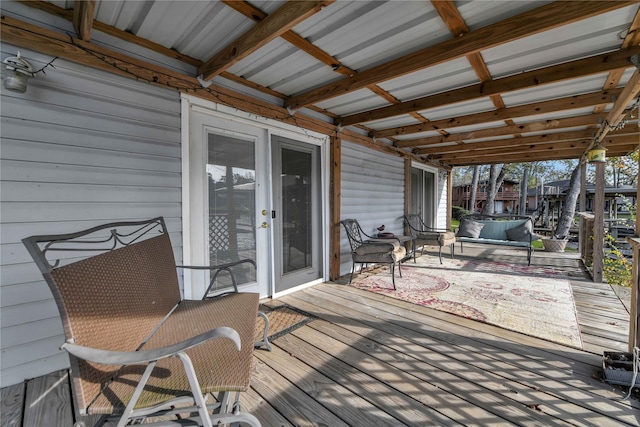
<point x="533" y="300"/>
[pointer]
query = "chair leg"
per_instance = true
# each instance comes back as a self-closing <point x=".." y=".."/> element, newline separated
<point x="440" y="253"/>
<point x="393" y="275"/>
<point x="353" y="268"/>
<point x="453" y="248"/>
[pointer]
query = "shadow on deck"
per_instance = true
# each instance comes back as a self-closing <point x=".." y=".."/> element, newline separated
<point x="373" y="360"/>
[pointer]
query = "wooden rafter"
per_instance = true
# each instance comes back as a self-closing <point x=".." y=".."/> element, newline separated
<point x="567" y="103"/>
<point x="455" y="22"/>
<point x="556" y="73"/>
<point x="532" y="22"/>
<point x="22" y="34"/>
<point x="523" y="143"/>
<point x="282" y="20"/>
<point x="631" y="39"/>
<point x="539" y="126"/>
<point x="306" y="46"/>
<point x="83" y="11"/>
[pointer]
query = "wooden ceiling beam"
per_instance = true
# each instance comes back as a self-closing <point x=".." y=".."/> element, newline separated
<point x="514" y="129"/>
<point x="525" y="24"/>
<point x="570" y="102"/>
<point x="578" y="145"/>
<point x="83" y="11"/>
<point x="22" y="34"/>
<point x="622" y="148"/>
<point x="556" y="73"/>
<point x="282" y="20"/>
<point x="631" y="39"/>
<point x="252" y="12"/>
<point x="524" y="141"/>
<point x="525" y="157"/>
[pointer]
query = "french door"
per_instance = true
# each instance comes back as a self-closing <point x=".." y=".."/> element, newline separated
<point x="249" y="193"/>
<point x="297" y="212"/>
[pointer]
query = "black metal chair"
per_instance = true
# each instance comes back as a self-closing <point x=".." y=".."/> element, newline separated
<point x="366" y="249"/>
<point x="423" y="235"/>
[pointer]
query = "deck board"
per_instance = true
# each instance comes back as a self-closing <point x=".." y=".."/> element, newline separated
<point x="369" y="359"/>
<point x="555" y="401"/>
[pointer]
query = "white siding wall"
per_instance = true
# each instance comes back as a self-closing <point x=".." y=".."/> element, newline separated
<point x="372" y="191"/>
<point x="80" y="148"/>
<point x="441" y="203"/>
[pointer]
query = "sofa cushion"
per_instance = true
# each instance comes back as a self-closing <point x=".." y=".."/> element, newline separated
<point x="469" y="228"/>
<point x="521" y="233"/>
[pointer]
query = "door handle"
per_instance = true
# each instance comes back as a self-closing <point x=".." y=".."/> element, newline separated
<point x="264" y="225"/>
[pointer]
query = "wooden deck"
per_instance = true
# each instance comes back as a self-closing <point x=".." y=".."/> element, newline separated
<point x="371" y="360"/>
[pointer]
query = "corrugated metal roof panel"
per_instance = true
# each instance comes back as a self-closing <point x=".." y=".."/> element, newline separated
<point x="364" y="34"/>
<point x="439" y="78"/>
<point x="459" y="109"/>
<point x="554" y="115"/>
<point x="353" y="102"/>
<point x="555" y="90"/>
<point x="577" y="40"/>
<point x="392" y="122"/>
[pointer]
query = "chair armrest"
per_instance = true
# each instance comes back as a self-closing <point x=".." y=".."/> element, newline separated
<point x="109" y="357"/>
<point x="218" y="269"/>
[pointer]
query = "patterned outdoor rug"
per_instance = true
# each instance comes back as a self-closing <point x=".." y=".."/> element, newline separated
<point x="282" y="320"/>
<point x="536" y="301"/>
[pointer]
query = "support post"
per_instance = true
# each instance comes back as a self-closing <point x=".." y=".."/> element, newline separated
<point x="634" y="321"/>
<point x="334" y="205"/>
<point x="598" y="225"/>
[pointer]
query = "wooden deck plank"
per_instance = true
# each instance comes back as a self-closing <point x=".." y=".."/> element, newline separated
<point x="338" y="370"/>
<point x="12" y="402"/>
<point x="465" y="386"/>
<point x="534" y="378"/>
<point x="256" y="405"/>
<point x="412" y="401"/>
<point x="48" y="399"/>
<point x="306" y="370"/>
<point x="297" y="407"/>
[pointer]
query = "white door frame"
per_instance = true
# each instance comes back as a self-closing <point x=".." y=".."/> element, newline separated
<point x="273" y="127"/>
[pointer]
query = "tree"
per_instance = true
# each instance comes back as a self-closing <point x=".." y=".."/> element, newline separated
<point x="496" y="176"/>
<point x="474" y="188"/>
<point x="524" y="185"/>
<point x="569" y="208"/>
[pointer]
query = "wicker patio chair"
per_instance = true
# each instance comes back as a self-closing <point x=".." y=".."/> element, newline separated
<point x="373" y="250"/>
<point x="136" y="349"/>
<point x="424" y="235"/>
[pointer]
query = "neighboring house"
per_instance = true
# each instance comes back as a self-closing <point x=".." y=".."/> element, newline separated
<point x="506" y="200"/>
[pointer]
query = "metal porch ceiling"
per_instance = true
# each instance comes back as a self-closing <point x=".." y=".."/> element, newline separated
<point x="363" y="55"/>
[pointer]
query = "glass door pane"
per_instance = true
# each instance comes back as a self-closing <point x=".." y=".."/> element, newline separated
<point x="231" y="179"/>
<point x="296" y="209"/>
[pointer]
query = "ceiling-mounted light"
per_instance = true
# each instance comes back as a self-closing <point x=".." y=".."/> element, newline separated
<point x="597" y="154"/>
<point x="16" y="73"/>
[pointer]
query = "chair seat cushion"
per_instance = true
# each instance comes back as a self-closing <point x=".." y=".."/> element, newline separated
<point x="440" y="238"/>
<point x="377" y="246"/>
<point x="219" y="364"/>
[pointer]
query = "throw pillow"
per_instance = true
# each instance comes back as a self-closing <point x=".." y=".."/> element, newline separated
<point x="520" y="233"/>
<point x="470" y="228"/>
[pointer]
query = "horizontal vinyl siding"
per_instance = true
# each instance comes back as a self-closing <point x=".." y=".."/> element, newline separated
<point x="441" y="203"/>
<point x="80" y="148"/>
<point x="372" y="191"/>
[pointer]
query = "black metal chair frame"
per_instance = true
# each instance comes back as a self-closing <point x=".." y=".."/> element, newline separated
<point x="419" y="226"/>
<point x="355" y="236"/>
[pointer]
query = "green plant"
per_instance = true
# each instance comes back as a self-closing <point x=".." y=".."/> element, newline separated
<point x="457" y="212"/>
<point x="617" y="268"/>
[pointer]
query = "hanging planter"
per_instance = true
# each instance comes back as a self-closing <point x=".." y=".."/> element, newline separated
<point x="554" y="245"/>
